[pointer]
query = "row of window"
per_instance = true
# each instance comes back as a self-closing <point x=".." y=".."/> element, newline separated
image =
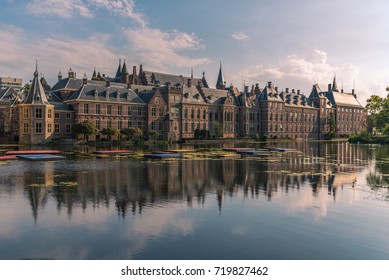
<point x="38" y="129"/>
<point x="108" y="110"/>
<point x="38" y="114"/>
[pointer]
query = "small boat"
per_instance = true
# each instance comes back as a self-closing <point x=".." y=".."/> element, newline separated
<point x="39" y="157"/>
<point x="163" y="155"/>
<point x="31" y="152"/>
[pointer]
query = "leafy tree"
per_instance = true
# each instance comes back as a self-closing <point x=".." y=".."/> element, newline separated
<point x="109" y="132"/>
<point x="132" y="132"/>
<point x="85" y="128"/>
<point x="216" y="129"/>
<point x="26" y="88"/>
<point x="153" y="134"/>
<point x="378" y="110"/>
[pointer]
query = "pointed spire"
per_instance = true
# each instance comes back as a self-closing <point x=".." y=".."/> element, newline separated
<point x="118" y="71"/>
<point x="36" y="94"/>
<point x="334" y="85"/>
<point x="191" y="73"/>
<point x="94" y="75"/>
<point x="124" y="69"/>
<point x="220" y="84"/>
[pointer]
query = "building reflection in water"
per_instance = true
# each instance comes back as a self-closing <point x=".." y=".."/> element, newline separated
<point x="130" y="185"/>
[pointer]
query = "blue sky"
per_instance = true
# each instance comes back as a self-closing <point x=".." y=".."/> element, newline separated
<point x="291" y="43"/>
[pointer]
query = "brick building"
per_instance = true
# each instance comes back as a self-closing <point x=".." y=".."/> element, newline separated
<point x="177" y="107"/>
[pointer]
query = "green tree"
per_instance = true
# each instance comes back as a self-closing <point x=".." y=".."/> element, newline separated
<point x="153" y="134"/>
<point x="217" y="129"/>
<point x="26" y="88"/>
<point x="85" y="128"/>
<point x="378" y="111"/>
<point x="109" y="132"/>
<point x="132" y="133"/>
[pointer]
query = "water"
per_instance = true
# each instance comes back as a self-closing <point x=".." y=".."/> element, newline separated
<point x="329" y="201"/>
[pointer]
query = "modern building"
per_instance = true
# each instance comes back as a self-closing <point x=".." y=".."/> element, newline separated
<point x="6" y="82"/>
<point x="179" y="108"/>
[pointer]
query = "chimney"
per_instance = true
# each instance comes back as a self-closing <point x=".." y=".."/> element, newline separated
<point x="287" y="90"/>
<point x="59" y="76"/>
<point x="276" y="88"/>
<point x="298" y="91"/>
<point x="108" y="83"/>
<point x="246" y="89"/>
<point x="84" y="79"/>
<point x="269" y="84"/>
<point x="189" y="82"/>
<point x="293" y="91"/>
<point x="329" y="87"/>
<point x="341" y="90"/>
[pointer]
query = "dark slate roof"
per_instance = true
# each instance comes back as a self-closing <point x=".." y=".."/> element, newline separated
<point x="191" y="95"/>
<point x="36" y="94"/>
<point x="8" y="94"/>
<point x="68" y="84"/>
<point x="269" y="93"/>
<point x="61" y="107"/>
<point x="216" y="96"/>
<point x="98" y="92"/>
<point x="316" y="92"/>
<point x="146" y="96"/>
<point x="297" y="100"/>
<point x="155" y="78"/>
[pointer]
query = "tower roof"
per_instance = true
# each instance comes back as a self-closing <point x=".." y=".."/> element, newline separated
<point x="334" y="85"/>
<point x="118" y="72"/>
<point x="36" y="94"/>
<point x="220" y="78"/>
<point x="124" y="69"/>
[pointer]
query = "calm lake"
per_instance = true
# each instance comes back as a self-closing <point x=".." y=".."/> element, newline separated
<point x="323" y="201"/>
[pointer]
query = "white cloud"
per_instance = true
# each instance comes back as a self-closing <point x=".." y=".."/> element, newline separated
<point x="240" y="36"/>
<point x="121" y="7"/>
<point x="161" y="49"/>
<point x="301" y="71"/>
<point x="59" y="8"/>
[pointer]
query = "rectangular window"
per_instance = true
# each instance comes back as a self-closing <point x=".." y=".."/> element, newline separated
<point x="56" y="128"/>
<point x="98" y="109"/>
<point x="68" y="128"/>
<point x="56" y="115"/>
<point x="160" y="126"/>
<point x="26" y="129"/>
<point x="86" y="108"/>
<point x="139" y="111"/>
<point x="192" y="127"/>
<point x="186" y="127"/>
<point x="98" y="124"/>
<point x="120" y="110"/>
<point x="109" y="109"/>
<point x="49" y="113"/>
<point x="139" y="124"/>
<point x="129" y="123"/>
<point x="49" y="128"/>
<point x="109" y="123"/>
<point x="120" y="125"/>
<point x="160" y="111"/>
<point x="26" y="113"/>
<point x="38" y="128"/>
<point x="153" y="111"/>
<point x="129" y="111"/>
<point x="68" y="116"/>
<point x="38" y="113"/>
<point x="152" y="125"/>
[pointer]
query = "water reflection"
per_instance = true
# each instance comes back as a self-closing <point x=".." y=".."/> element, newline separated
<point x="130" y="185"/>
<point x="138" y="201"/>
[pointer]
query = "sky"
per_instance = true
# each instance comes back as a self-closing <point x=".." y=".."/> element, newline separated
<point x="293" y="43"/>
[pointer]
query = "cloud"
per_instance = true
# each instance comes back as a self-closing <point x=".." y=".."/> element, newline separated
<point x="124" y="8"/>
<point x="54" y="54"/>
<point x="240" y="36"/>
<point x="300" y="70"/>
<point x="59" y="8"/>
<point x="162" y="49"/>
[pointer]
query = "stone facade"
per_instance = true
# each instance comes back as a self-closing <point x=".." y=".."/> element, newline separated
<point x="178" y="107"/>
